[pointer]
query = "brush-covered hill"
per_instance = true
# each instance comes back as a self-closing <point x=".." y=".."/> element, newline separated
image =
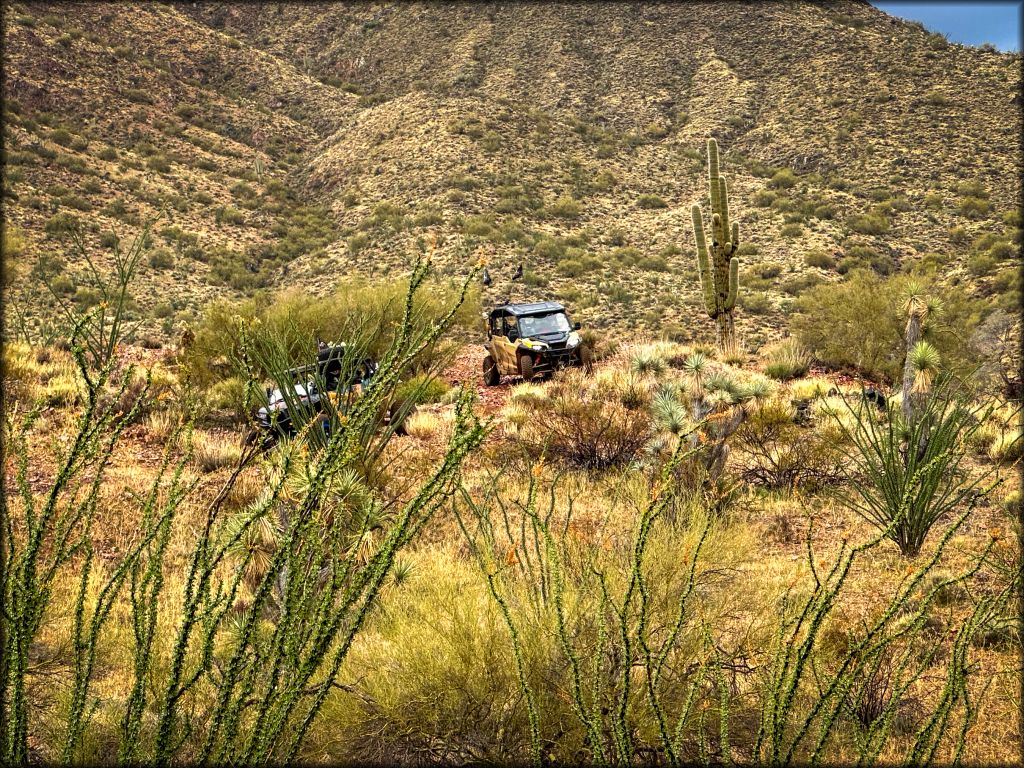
<point x="295" y="144"/>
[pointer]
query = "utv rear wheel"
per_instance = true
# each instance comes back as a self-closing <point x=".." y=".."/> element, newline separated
<point x="492" y="376"/>
<point x="526" y="368"/>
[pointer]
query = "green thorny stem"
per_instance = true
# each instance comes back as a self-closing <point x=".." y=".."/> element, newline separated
<point x="59" y="532"/>
<point x="319" y="593"/>
<point x="629" y="638"/>
<point x="793" y="654"/>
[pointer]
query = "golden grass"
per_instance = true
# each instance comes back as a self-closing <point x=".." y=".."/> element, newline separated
<point x="424" y="424"/>
<point x="436" y="646"/>
<point x="214" y="451"/>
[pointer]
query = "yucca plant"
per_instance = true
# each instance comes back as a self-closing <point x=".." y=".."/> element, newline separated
<point x="908" y="475"/>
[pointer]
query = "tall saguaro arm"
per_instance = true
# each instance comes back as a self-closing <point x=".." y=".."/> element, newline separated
<point x="717" y="267"/>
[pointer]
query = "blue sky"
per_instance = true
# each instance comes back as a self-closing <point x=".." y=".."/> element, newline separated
<point x="970" y="23"/>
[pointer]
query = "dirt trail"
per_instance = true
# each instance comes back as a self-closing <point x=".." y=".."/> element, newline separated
<point x="466" y="367"/>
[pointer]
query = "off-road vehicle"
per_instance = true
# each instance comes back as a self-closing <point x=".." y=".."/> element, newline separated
<point x="531" y="340"/>
<point x="314" y="385"/>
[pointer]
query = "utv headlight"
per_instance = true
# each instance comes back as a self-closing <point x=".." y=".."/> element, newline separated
<point x="531" y="344"/>
<point x="573" y="340"/>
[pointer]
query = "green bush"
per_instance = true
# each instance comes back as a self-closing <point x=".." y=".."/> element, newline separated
<point x="564" y="208"/>
<point x="359" y="312"/>
<point x="782" y="179"/>
<point x="650" y="202"/>
<point x="755" y="302"/>
<point x="974" y="207"/>
<point x="421" y="389"/>
<point x="859" y="323"/>
<point x="819" y="259"/>
<point x="161" y="258"/>
<point x="60" y="224"/>
<point x="868" y="224"/>
<point x="786" y="360"/>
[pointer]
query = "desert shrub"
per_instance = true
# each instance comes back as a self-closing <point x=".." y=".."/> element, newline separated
<point x="583" y="423"/>
<point x="787" y="359"/>
<point x="755" y="302"/>
<point x="791" y="230"/>
<point x="61" y="224"/>
<point x="649" y="201"/>
<point x="225" y="215"/>
<point x="773" y="451"/>
<point x="868" y="224"/>
<point x="422" y="388"/>
<point x="564" y="208"/>
<point x="361" y="313"/>
<point x="784" y="178"/>
<point x="865" y="257"/>
<point x="158" y="163"/>
<point x="161" y="258"/>
<point x="981" y="264"/>
<point x="974" y="207"/>
<point x="859" y="323"/>
<point x="819" y="259"/>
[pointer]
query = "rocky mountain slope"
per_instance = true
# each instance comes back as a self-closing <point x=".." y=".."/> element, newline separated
<point x="295" y="144"/>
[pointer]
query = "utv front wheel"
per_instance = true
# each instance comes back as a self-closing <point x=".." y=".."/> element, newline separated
<point x="492" y="376"/>
<point x="526" y="368"/>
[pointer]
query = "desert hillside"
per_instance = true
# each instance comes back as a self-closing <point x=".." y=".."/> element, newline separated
<point x="269" y="495"/>
<point x="291" y="145"/>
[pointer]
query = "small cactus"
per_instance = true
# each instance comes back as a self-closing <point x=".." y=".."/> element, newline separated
<point x="717" y="266"/>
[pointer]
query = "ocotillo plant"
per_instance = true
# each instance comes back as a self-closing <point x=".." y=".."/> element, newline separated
<point x="718" y="267"/>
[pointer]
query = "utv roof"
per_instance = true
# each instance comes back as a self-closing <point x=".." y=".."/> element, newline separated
<point x="525" y="310"/>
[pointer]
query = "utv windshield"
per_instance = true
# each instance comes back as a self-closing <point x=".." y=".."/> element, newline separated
<point x="538" y="326"/>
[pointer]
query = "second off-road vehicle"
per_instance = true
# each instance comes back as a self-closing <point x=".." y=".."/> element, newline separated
<point x="313" y="386"/>
<point x="531" y="340"/>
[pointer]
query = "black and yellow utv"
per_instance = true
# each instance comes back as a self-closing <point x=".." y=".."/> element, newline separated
<point x="531" y="340"/>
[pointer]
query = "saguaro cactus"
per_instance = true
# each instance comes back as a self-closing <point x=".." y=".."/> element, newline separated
<point x="718" y="267"/>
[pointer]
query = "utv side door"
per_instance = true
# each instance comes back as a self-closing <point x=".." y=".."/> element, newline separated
<point x="505" y="347"/>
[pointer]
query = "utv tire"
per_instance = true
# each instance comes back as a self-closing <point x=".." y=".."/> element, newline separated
<point x="398" y="414"/>
<point x="526" y="368"/>
<point x="492" y="376"/>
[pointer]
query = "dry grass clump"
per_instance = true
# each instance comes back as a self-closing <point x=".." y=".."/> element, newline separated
<point x="787" y="359"/>
<point x="1007" y="447"/>
<point x="434" y="678"/>
<point x="162" y="424"/>
<point x="423" y="424"/>
<point x="809" y="389"/>
<point x="514" y="415"/>
<point x="212" y="451"/>
<point x="999" y="437"/>
<point x="527" y="393"/>
<point x="40" y="374"/>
